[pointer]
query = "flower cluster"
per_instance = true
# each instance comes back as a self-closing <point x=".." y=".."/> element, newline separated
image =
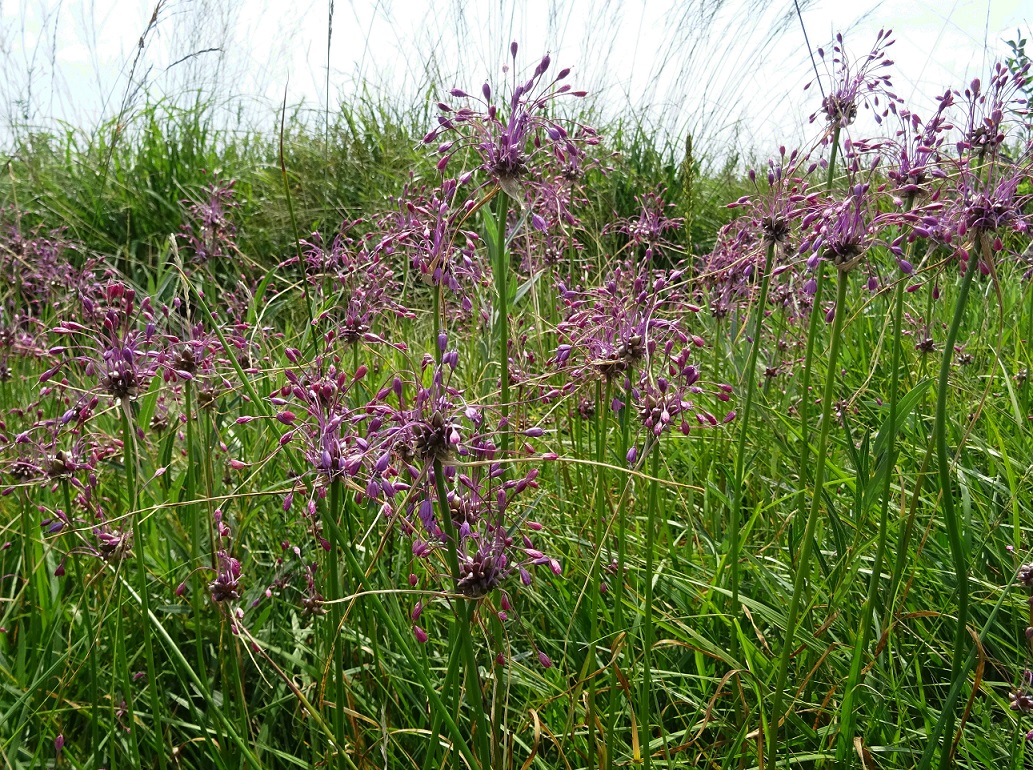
<point x="209" y="233"/>
<point x="507" y="137"/>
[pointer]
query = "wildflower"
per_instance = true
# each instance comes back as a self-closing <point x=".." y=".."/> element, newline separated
<point x="427" y="228"/>
<point x="225" y="587"/>
<point x="853" y="83"/>
<point x="118" y="354"/>
<point x="843" y="230"/>
<point x="649" y="227"/>
<point x="364" y="279"/>
<point x="616" y="326"/>
<point x="321" y="392"/>
<point x="917" y="149"/>
<point x="209" y="233"/>
<point x="508" y="137"/>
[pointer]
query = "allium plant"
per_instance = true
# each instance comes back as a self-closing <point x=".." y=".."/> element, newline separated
<point x="508" y="136"/>
<point x="110" y="346"/>
<point x="607" y="330"/>
<point x="427" y="229"/>
<point x="983" y="206"/>
<point x="209" y="233"/>
<point x="915" y="152"/>
<point x="647" y="230"/>
<point x="842" y="230"/>
<point x="856" y="82"/>
<point x="37" y="272"/>
<point x="520" y="143"/>
<point x="363" y="281"/>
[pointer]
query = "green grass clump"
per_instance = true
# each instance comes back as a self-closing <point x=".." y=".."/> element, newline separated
<point x="274" y="507"/>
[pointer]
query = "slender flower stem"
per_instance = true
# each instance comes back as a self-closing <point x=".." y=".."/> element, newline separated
<point x="814" y="323"/>
<point x="91" y="658"/>
<point x="122" y="664"/>
<point x="803" y="564"/>
<point x="439" y="324"/>
<point x="618" y="580"/>
<point x="848" y="710"/>
<point x="646" y="698"/>
<point x="336" y="637"/>
<point x="959" y="555"/>
<point x="501" y="268"/>
<point x="804" y="407"/>
<point x="600" y="515"/>
<point x="129" y="457"/>
<point x="464" y="619"/>
<point x="190" y="489"/>
<point x="740" y="457"/>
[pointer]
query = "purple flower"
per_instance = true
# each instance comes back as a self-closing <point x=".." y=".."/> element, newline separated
<point x="209" y="233"/>
<point x="614" y="327"/>
<point x="321" y="393"/>
<point x="917" y="149"/>
<point x="852" y="83"/>
<point x="366" y="286"/>
<point x="648" y="228"/>
<point x="225" y="587"/>
<point x="508" y="136"/>
<point x="119" y="354"/>
<point x="427" y="229"/>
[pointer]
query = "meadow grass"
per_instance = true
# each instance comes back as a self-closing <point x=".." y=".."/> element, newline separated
<point x="223" y="531"/>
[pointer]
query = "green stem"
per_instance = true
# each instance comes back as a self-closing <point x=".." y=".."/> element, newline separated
<point x="618" y="596"/>
<point x="646" y="698"/>
<point x="129" y="457"/>
<point x="91" y="658"/>
<point x="740" y="457"/>
<point x="181" y="661"/>
<point x="336" y="614"/>
<point x="814" y="322"/>
<point x="501" y="268"/>
<point x="464" y="619"/>
<point x="194" y="522"/>
<point x="595" y="582"/>
<point x="959" y="668"/>
<point x="845" y="749"/>
<point x="122" y="663"/>
<point x="803" y="564"/>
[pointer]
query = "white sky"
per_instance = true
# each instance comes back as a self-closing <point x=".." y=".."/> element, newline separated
<point x="687" y="66"/>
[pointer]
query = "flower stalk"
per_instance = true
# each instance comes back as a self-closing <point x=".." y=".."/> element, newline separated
<point x="804" y="561"/>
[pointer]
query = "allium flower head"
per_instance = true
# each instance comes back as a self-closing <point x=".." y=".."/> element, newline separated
<point x="322" y="393"/>
<point x="208" y="232"/>
<point x="649" y="227"/>
<point x="225" y="587"/>
<point x="427" y="228"/>
<point x="857" y="82"/>
<point x="843" y="229"/>
<point x="611" y="329"/>
<point x="507" y="136"/>
<point x="917" y="149"/>
<point x="988" y="108"/>
<point x="364" y="281"/>
<point x="116" y="351"/>
<point x="37" y="264"/>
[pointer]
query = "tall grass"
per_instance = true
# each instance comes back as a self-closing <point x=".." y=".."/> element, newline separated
<point x="263" y="556"/>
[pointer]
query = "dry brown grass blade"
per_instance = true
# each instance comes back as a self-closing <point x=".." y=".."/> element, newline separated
<point x="884" y="639"/>
<point x="756" y="630"/>
<point x="537" y="724"/>
<point x="980" y="669"/>
<point x="710" y="705"/>
<point x="867" y="761"/>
